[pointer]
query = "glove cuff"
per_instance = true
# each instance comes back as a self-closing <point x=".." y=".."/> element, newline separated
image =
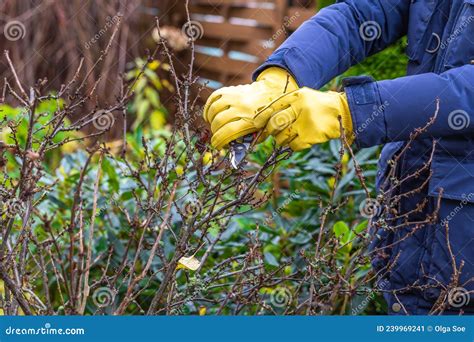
<point x="278" y="76"/>
<point x="346" y="119"/>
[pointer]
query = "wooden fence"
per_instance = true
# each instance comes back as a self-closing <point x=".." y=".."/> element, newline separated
<point x="238" y="35"/>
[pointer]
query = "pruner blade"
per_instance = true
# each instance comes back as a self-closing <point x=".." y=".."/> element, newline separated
<point x="239" y="149"/>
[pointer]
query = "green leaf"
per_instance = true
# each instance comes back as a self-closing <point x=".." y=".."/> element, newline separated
<point x="141" y="113"/>
<point x="140" y="84"/>
<point x="361" y="227"/>
<point x="335" y="146"/>
<point x="157" y="119"/>
<point x="340" y="228"/>
<point x="153" y="96"/>
<point x="110" y="171"/>
<point x="270" y="259"/>
<point x="214" y="230"/>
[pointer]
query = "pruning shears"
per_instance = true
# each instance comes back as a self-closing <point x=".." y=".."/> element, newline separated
<point x="239" y="149"/>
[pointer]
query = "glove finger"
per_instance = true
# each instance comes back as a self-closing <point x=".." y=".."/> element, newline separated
<point x="211" y="99"/>
<point x="297" y="144"/>
<point x="285" y="136"/>
<point x="223" y="118"/>
<point x="280" y="121"/>
<point x="218" y="106"/>
<point x="261" y="118"/>
<point x="279" y="104"/>
<point x="215" y="96"/>
<point x="230" y="132"/>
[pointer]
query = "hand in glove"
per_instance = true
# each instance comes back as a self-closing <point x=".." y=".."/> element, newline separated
<point x="231" y="111"/>
<point x="306" y="117"/>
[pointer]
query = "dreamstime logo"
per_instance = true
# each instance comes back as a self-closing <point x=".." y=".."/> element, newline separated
<point x="465" y="200"/>
<point x="458" y="297"/>
<point x="47" y="329"/>
<point x="176" y="312"/>
<point x="458" y="119"/>
<point x="14" y="207"/>
<point x="377" y="111"/>
<point x="192" y="208"/>
<point x="103" y="296"/>
<point x="109" y="22"/>
<point x="193" y="30"/>
<point x="281" y="297"/>
<point x="268" y="44"/>
<point x="278" y="210"/>
<point x="282" y="120"/>
<point x="370" y="296"/>
<point x="196" y="113"/>
<point x="369" y="207"/>
<point x="103" y="120"/>
<point x="370" y="30"/>
<point x="114" y="200"/>
<point x="460" y="28"/>
<point x="14" y="30"/>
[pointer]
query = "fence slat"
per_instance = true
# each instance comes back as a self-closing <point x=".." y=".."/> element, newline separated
<point x="256" y="48"/>
<point x="264" y="16"/>
<point x="243" y="3"/>
<point x="228" y="31"/>
<point x="224" y="64"/>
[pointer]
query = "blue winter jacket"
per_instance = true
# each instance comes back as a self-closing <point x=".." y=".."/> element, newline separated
<point x="441" y="66"/>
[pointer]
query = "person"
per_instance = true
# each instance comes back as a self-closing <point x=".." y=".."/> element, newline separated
<point x="424" y="262"/>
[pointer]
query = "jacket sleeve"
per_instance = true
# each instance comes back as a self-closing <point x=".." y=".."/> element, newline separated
<point x="338" y="37"/>
<point x="390" y="110"/>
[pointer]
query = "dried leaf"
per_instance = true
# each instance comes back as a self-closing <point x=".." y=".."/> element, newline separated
<point x="189" y="263"/>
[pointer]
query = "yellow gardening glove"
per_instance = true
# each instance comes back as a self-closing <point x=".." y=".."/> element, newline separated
<point x="306" y="117"/>
<point x="231" y="111"/>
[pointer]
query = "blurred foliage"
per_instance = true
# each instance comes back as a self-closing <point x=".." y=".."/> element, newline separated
<point x="45" y="109"/>
<point x="323" y="3"/>
<point x="146" y="106"/>
<point x="287" y="225"/>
